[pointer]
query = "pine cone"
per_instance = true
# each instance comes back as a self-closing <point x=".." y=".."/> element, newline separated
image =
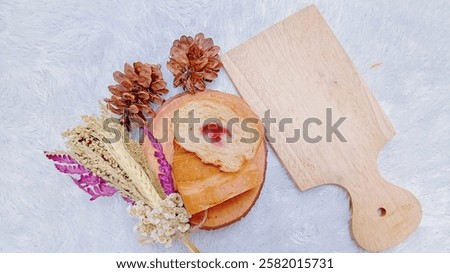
<point x="140" y="85"/>
<point x="194" y="61"/>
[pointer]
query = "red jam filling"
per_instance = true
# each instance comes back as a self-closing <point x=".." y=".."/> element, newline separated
<point x="214" y="132"/>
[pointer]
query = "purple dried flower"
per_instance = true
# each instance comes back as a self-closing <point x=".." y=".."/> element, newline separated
<point x="84" y="178"/>
<point x="128" y="200"/>
<point x="165" y="175"/>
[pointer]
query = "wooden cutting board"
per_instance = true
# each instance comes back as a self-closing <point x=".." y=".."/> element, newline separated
<point x="297" y="69"/>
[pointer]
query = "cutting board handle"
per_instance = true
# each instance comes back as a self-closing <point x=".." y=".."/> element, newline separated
<point x="383" y="214"/>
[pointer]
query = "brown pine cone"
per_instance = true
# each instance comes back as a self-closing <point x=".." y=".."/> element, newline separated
<point x="194" y="61"/>
<point x="140" y="85"/>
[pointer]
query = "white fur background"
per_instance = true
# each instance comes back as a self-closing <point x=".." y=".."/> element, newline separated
<point x="57" y="59"/>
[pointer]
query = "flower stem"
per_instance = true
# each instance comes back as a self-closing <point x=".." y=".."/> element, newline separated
<point x="189" y="244"/>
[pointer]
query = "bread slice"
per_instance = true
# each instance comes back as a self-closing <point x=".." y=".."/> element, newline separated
<point x="203" y="186"/>
<point x="221" y="135"/>
<point x="233" y="207"/>
<point x="236" y="208"/>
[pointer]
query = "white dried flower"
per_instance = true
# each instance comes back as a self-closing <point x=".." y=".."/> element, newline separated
<point x="169" y="231"/>
<point x="184" y="228"/>
<point x="163" y="223"/>
<point x="182" y="218"/>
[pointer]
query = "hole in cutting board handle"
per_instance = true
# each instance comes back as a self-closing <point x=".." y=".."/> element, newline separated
<point x="381" y="212"/>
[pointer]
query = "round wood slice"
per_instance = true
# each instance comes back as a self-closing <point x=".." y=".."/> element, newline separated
<point x="233" y="209"/>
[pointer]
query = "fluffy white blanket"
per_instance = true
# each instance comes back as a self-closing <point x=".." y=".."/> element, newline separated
<point x="57" y="59"/>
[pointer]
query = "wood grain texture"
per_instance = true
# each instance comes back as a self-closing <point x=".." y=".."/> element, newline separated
<point x="297" y="69"/>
